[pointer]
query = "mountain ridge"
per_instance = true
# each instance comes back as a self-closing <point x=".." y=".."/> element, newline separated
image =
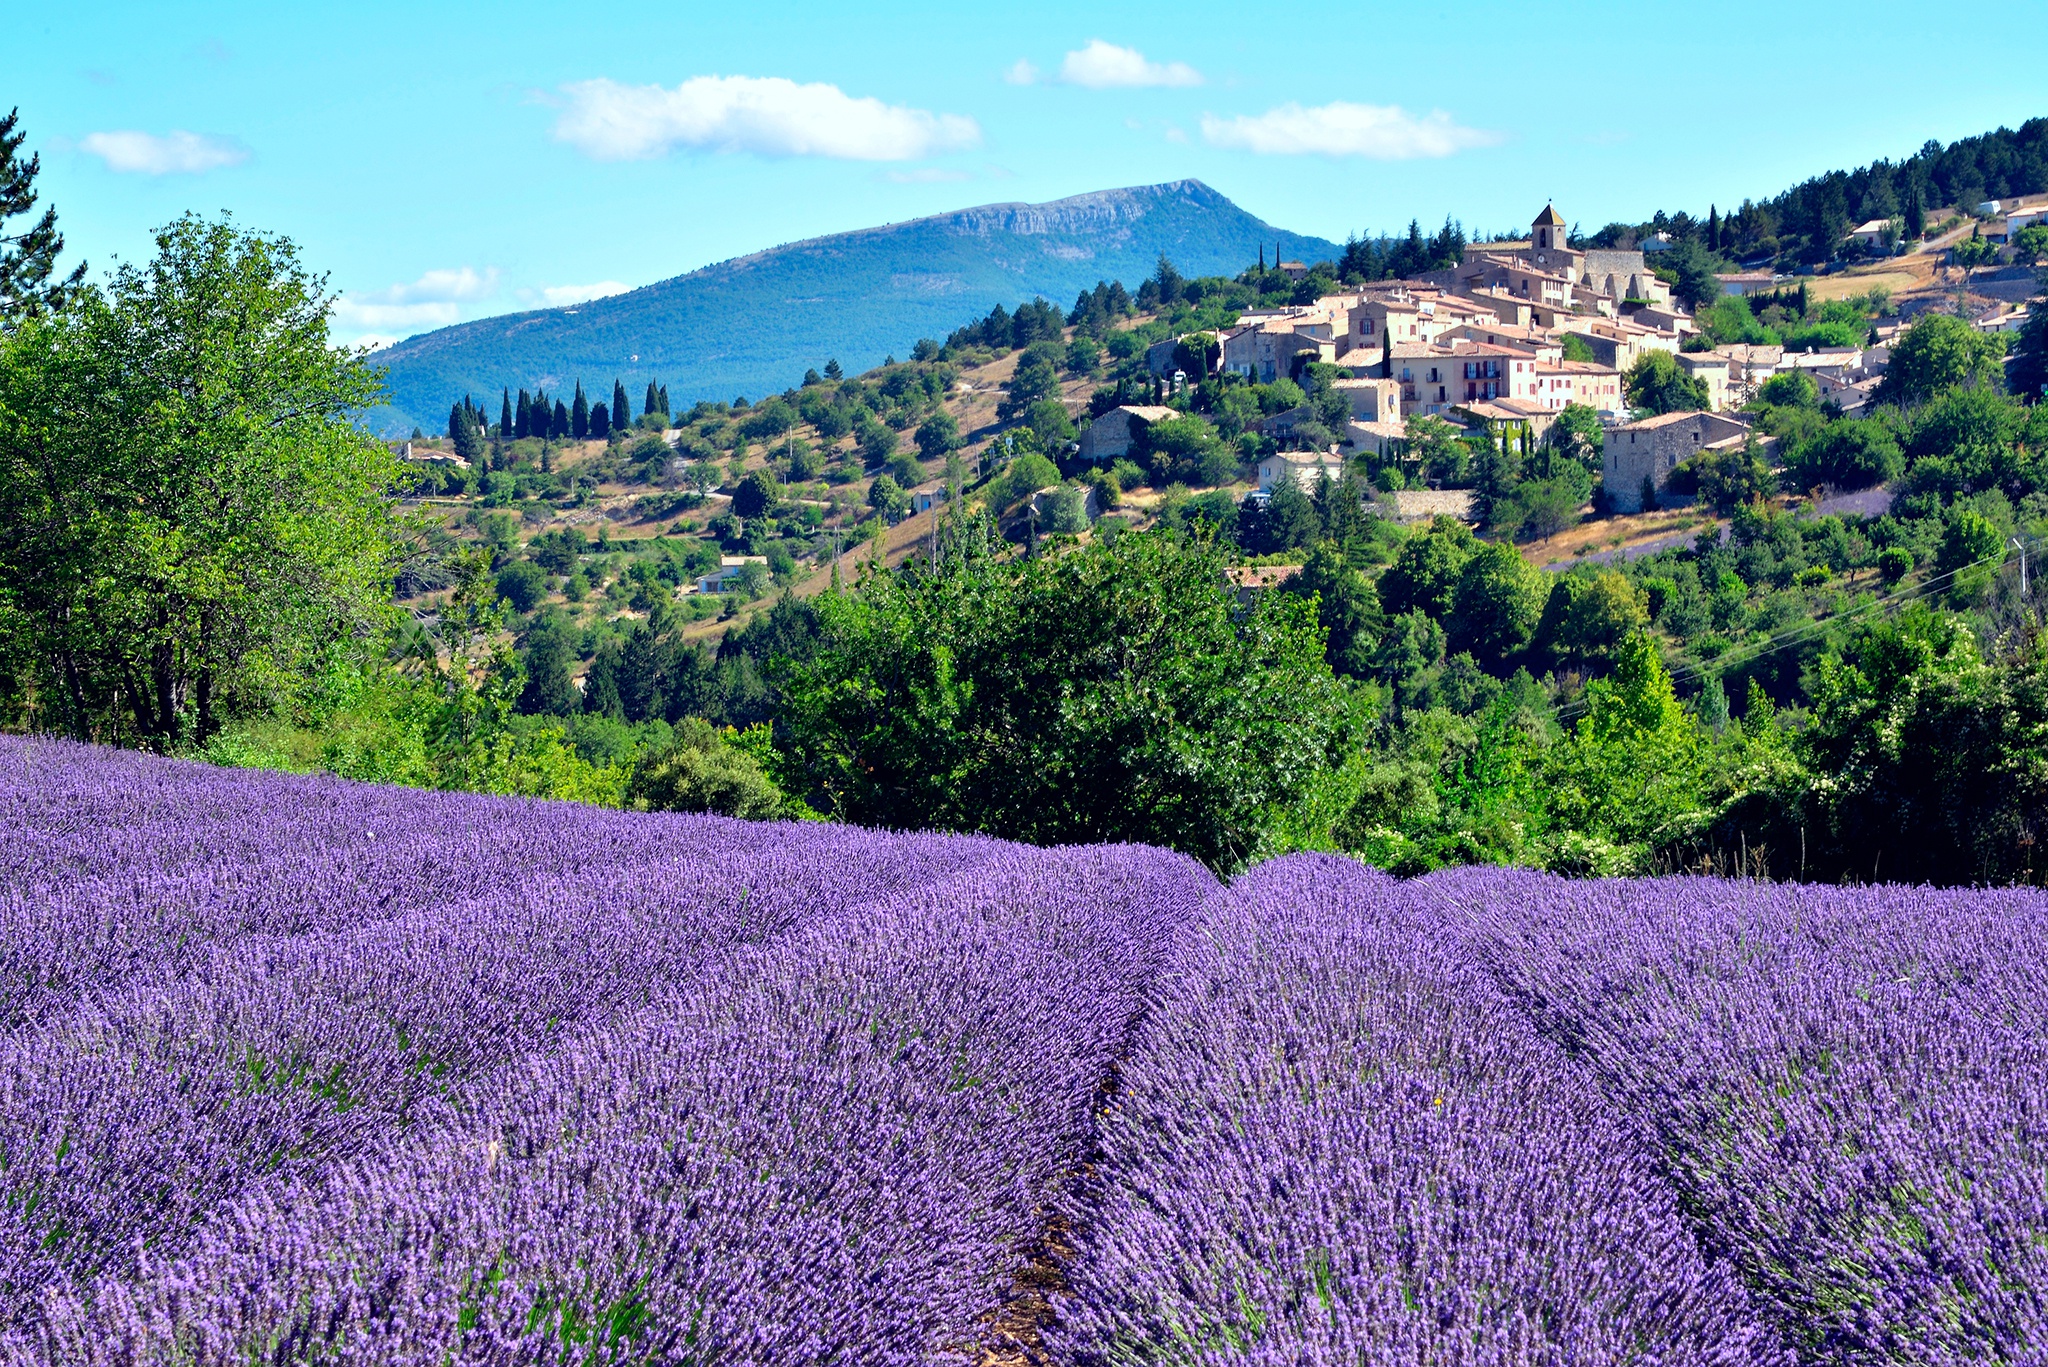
<point x="852" y="296"/>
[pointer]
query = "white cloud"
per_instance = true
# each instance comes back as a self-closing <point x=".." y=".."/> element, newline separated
<point x="433" y="300"/>
<point x="581" y="294"/>
<point x="175" y="153"/>
<point x="1100" y="66"/>
<point x="926" y="175"/>
<point x="1342" y="129"/>
<point x="768" y="116"/>
<point x="1021" y="73"/>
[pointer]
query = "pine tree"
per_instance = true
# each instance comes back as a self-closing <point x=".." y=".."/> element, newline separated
<point x="832" y="370"/>
<point x="653" y="403"/>
<point x="622" y="412"/>
<point x="28" y="257"/>
<point x="579" y="415"/>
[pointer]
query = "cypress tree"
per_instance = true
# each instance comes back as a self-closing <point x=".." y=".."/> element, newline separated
<point x="653" y="403"/>
<point x="1713" y="228"/>
<point x="622" y="412"/>
<point x="1916" y="212"/>
<point x="663" y="397"/>
<point x="549" y="689"/>
<point x="505" y="417"/>
<point x="579" y="415"/>
<point x="561" y="427"/>
<point x="600" y="423"/>
<point x="522" y="425"/>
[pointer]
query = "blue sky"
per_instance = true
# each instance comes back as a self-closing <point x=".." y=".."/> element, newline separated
<point x="446" y="161"/>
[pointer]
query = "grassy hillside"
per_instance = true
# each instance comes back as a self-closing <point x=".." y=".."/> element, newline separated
<point x="748" y="325"/>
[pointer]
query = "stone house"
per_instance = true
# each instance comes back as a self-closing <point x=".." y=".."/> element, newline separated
<point x="1113" y="434"/>
<point x="1653" y="448"/>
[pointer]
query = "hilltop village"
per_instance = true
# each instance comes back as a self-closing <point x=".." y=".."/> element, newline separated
<point x="1195" y="397"/>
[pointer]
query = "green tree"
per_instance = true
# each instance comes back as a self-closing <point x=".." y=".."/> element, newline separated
<point x="1346" y="606"/>
<point x="1793" y="389"/>
<point x="1732" y="478"/>
<point x="1049" y="419"/>
<point x="886" y="497"/>
<point x="1656" y="384"/>
<point x="1578" y="433"/>
<point x="1425" y="571"/>
<point x="938" y="435"/>
<point x="1589" y="616"/>
<point x="1697" y="285"/>
<point x="756" y="495"/>
<point x="875" y="441"/>
<point x="622" y="411"/>
<point x="28" y="258"/>
<point x="523" y="584"/>
<point x="1849" y="454"/>
<point x="1291" y="521"/>
<point x="1939" y="352"/>
<point x="189" y="516"/>
<point x="1634" y="769"/>
<point x="703" y="770"/>
<point x="2030" y="244"/>
<point x="2029" y="372"/>
<point x="1113" y="693"/>
<point x="1496" y="603"/>
<point x="1036" y="377"/>
<point x="1970" y="549"/>
<point x="549" y="687"/>
<point x="1027" y="474"/>
<point x="579" y="415"/>
<point x="1932" y="757"/>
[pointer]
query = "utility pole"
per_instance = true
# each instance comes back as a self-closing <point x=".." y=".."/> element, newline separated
<point x="2021" y="547"/>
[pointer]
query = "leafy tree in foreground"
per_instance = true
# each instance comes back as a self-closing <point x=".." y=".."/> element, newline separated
<point x="188" y="517"/>
<point x="1112" y="693"/>
<point x="28" y="258"/>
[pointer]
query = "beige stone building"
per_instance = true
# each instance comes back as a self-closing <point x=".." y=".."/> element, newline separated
<point x="1653" y="448"/>
<point x="1112" y="434"/>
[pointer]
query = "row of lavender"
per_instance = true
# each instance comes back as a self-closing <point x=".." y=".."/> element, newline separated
<point x="300" y="1071"/>
<point x="303" y="1071"/>
<point x="1494" y="1117"/>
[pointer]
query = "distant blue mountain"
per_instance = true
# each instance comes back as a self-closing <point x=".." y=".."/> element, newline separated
<point x="753" y="324"/>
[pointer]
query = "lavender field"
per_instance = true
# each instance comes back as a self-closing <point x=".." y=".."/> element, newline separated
<point x="297" y="1070"/>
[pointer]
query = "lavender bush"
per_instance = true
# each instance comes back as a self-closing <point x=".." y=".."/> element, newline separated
<point x="1337" y="1142"/>
<point x="1846" y="1088"/>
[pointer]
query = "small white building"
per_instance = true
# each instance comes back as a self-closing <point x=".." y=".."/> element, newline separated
<point x="730" y="567"/>
<point x="1306" y="468"/>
